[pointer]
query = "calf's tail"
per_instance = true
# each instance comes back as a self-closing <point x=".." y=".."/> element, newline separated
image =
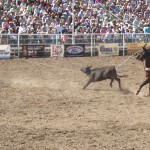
<point x="122" y="75"/>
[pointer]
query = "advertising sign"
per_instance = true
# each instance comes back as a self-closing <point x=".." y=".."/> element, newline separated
<point x="108" y="49"/>
<point x="135" y="47"/>
<point x="57" y="50"/>
<point x="4" y="51"/>
<point x="74" y="50"/>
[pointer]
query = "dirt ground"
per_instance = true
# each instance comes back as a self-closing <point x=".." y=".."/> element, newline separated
<point x="43" y="106"/>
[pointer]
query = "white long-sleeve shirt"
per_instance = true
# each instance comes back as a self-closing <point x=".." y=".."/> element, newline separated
<point x="22" y="29"/>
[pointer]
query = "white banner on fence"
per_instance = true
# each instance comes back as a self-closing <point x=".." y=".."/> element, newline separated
<point x="57" y="50"/>
<point x="107" y="49"/>
<point x="94" y="48"/>
<point x="4" y="51"/>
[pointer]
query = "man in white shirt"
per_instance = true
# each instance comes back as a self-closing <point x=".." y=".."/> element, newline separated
<point x="22" y="28"/>
<point x="23" y="38"/>
<point x="135" y="23"/>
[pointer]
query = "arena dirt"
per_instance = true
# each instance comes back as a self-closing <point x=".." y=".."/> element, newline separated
<point x="43" y="106"/>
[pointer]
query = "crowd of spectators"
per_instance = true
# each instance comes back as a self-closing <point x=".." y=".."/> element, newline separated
<point x="90" y="16"/>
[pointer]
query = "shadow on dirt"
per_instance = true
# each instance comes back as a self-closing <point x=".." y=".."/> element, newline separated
<point x="126" y="91"/>
<point x="123" y="91"/>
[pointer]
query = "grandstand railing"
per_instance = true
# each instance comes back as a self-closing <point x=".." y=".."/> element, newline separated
<point x="16" y="41"/>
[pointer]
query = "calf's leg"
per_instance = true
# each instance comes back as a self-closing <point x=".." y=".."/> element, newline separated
<point x="111" y="82"/>
<point x="144" y="83"/>
<point x="89" y="81"/>
<point x="118" y="79"/>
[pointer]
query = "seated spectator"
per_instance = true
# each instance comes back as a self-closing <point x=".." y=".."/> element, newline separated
<point x="97" y="16"/>
<point x="5" y="24"/>
<point x="12" y="39"/>
<point x="146" y="30"/>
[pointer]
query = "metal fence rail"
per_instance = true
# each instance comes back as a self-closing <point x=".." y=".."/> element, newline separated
<point x="17" y="41"/>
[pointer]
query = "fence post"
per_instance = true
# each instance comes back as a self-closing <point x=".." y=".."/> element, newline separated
<point x="7" y="39"/>
<point x="18" y="46"/>
<point x="92" y="44"/>
<point x="56" y="39"/>
<point x="123" y="46"/>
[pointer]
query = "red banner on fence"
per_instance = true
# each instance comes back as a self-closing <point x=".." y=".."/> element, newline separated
<point x="57" y="51"/>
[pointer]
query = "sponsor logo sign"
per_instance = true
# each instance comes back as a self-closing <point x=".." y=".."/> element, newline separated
<point x="4" y="51"/>
<point x="107" y="49"/>
<point x="135" y="47"/>
<point x="94" y="48"/>
<point x="57" y="50"/>
<point x="74" y="50"/>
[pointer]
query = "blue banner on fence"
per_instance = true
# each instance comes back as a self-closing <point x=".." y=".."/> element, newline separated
<point x="74" y="50"/>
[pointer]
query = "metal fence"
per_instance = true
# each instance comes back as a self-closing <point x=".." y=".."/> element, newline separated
<point x="16" y="41"/>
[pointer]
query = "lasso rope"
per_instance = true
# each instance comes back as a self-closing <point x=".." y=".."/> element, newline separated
<point x="127" y="59"/>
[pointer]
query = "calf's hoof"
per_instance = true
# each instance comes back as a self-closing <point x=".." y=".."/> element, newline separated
<point x="121" y="89"/>
<point x="137" y="92"/>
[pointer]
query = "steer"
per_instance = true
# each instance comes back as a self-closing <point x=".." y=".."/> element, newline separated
<point x="100" y="74"/>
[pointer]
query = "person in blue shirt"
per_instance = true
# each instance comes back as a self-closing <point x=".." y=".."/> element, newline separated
<point x="146" y="30"/>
